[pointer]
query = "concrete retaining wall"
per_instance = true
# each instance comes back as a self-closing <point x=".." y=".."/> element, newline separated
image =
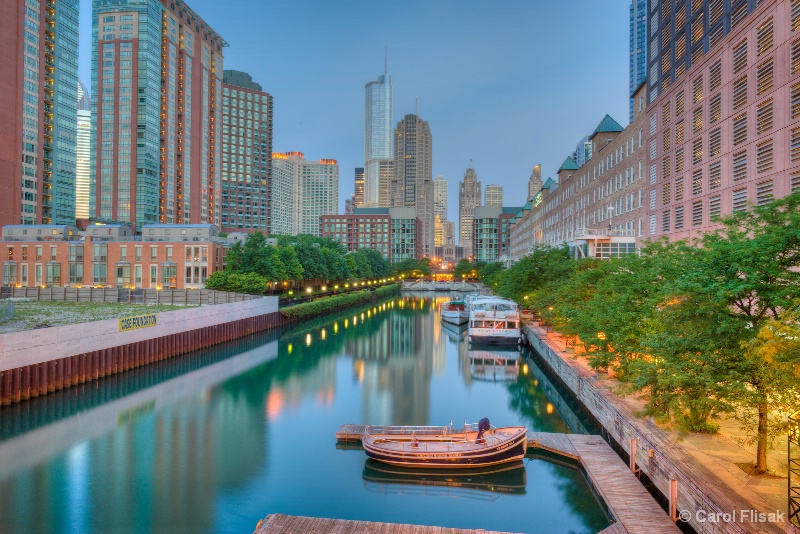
<point x="698" y="489"/>
<point x="40" y="361"/>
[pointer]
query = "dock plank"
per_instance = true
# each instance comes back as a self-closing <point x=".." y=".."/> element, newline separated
<point x="616" y="528"/>
<point x="630" y="503"/>
<point x="288" y="524"/>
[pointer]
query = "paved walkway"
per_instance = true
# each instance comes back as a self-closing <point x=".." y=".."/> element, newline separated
<point x="721" y="454"/>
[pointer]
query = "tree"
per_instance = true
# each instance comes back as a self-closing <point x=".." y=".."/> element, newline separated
<point x="250" y="283"/>
<point x="463" y="269"/>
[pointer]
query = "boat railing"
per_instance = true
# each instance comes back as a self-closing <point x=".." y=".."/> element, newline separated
<point x="386" y="432"/>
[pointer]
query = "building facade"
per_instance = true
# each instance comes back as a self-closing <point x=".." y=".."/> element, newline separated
<point x="378" y="142"/>
<point x="490" y="233"/>
<point x="358" y="194"/>
<point x="83" y="154"/>
<point x="596" y="209"/>
<point x="440" y="198"/>
<point x="246" y="154"/>
<point x="167" y="256"/>
<point x="493" y="196"/>
<point x="638" y="50"/>
<point x="38" y="111"/>
<point x="412" y="185"/>
<point x="724" y="133"/>
<point x="157" y="77"/>
<point x="394" y="232"/>
<point x="535" y="181"/>
<point x="302" y="191"/>
<point x="469" y="198"/>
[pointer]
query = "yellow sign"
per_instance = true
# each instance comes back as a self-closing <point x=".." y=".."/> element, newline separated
<point x="138" y="321"/>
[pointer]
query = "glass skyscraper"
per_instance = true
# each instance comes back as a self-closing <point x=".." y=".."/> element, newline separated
<point x="378" y="141"/>
<point x="638" y="49"/>
<point x="84" y="135"/>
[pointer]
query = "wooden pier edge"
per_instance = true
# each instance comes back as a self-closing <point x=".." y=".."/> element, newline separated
<point x="280" y="524"/>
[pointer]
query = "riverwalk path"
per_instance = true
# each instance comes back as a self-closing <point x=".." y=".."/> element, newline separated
<point x="710" y="467"/>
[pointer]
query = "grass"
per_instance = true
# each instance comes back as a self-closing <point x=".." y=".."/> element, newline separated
<point x="29" y="314"/>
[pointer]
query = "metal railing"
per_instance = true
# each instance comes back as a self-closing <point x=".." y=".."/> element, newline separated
<point x="794" y="469"/>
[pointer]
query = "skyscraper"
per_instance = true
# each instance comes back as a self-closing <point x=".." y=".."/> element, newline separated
<point x="535" y="181"/>
<point x="38" y="113"/>
<point x="377" y="134"/>
<point x="494" y="196"/>
<point x="440" y="198"/>
<point x="469" y="198"/>
<point x="301" y="192"/>
<point x="157" y="74"/>
<point x="358" y="195"/>
<point x="83" y="154"/>
<point x="246" y="154"/>
<point x="638" y="51"/>
<point x="412" y="186"/>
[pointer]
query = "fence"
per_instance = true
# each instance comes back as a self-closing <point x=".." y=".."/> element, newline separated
<point x="6" y="310"/>
<point x="180" y="297"/>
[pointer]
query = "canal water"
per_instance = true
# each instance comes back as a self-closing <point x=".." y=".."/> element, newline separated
<point x="214" y="440"/>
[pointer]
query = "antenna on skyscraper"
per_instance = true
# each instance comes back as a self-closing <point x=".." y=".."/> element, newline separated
<point x="416" y="106"/>
<point x="385" y="60"/>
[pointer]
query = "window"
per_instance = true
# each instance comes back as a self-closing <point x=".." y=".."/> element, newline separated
<point x="740" y="166"/>
<point x="714" y="176"/>
<point x="99" y="275"/>
<point x="653" y="194"/>
<point x="714" y="207"/>
<point x="715" y="12"/>
<point x="740" y="57"/>
<point x="697" y="120"/>
<point x="738" y="15"/>
<point x="795" y="14"/>
<point x="740" y="129"/>
<point x="794" y="57"/>
<point x="679" y="133"/>
<point x="666" y="190"/>
<point x="9" y="274"/>
<point x="697" y="182"/>
<point x="764" y="77"/>
<point x="679" y="104"/>
<point x="667" y="137"/>
<point x="652" y="224"/>
<point x="715" y="143"/>
<point x="740" y="92"/>
<point x="764" y="157"/>
<point x="764" y="37"/>
<point x="678" y="189"/>
<point x="653" y="123"/>
<point x="697" y="53"/>
<point x="697" y="213"/>
<point x="739" y="200"/>
<point x="715" y="109"/>
<point x="697" y="30"/>
<point x="665" y="110"/>
<point x="666" y="169"/>
<point x="715" y="77"/>
<point x="795" y="100"/>
<point x="153" y="276"/>
<point x="653" y="149"/>
<point x="679" y="218"/>
<point x="697" y="89"/>
<point x="794" y="146"/>
<point x="665" y="221"/>
<point x="697" y="150"/>
<point x="679" y="160"/>
<point x="764" y="117"/>
<point x="794" y="183"/>
<point x="763" y="193"/>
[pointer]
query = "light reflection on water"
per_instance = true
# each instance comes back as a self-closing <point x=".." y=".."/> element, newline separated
<point x="215" y="440"/>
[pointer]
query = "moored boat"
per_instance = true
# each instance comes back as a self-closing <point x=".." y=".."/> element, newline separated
<point x="454" y="312"/>
<point x="440" y="447"/>
<point x="494" y="320"/>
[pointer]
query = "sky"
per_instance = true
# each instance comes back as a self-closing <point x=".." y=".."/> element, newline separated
<point x="504" y="85"/>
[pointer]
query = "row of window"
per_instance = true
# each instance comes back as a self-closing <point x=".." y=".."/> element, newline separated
<point x="50" y="274"/>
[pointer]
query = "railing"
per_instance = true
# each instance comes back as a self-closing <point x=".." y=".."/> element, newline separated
<point x="794" y="469"/>
<point x="604" y="232"/>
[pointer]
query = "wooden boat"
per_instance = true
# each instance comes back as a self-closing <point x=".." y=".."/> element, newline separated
<point x="494" y="320"/>
<point x="506" y="478"/>
<point x="440" y="447"/>
<point x="454" y="312"/>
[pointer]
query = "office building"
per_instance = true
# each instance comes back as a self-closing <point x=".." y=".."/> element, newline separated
<point x="378" y="143"/>
<point x="493" y="196"/>
<point x="723" y="136"/>
<point x="38" y="112"/>
<point x="439" y="235"/>
<point x="490" y="233"/>
<point x="638" y="51"/>
<point x="246" y="154"/>
<point x="469" y="198"/>
<point x="449" y="233"/>
<point x="358" y="195"/>
<point x="301" y="192"/>
<point x="440" y="198"/>
<point x="412" y="185"/>
<point x="394" y="232"/>
<point x="83" y="154"/>
<point x="535" y="181"/>
<point x="157" y="74"/>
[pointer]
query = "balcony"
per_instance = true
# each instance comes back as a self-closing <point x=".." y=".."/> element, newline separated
<point x="603" y="233"/>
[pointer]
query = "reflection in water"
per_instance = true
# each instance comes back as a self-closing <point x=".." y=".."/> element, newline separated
<point x="203" y="441"/>
<point x="495" y="364"/>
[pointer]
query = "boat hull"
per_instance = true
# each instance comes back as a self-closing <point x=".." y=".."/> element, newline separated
<point x="491" y="454"/>
<point x="495" y="336"/>
<point x="455" y="318"/>
<point x="505" y="478"/>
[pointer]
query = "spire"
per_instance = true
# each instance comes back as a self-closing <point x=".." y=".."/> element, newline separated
<point x="385" y="60"/>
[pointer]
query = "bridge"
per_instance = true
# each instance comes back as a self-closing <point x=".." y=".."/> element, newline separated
<point x="430" y="285"/>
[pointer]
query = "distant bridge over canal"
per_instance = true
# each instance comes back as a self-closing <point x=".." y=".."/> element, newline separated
<point x="430" y="285"/>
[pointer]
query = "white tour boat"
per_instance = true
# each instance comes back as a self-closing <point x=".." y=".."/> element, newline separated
<point x="494" y="320"/>
<point x="455" y="312"/>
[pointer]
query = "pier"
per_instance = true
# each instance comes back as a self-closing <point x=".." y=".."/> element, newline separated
<point x="286" y="524"/>
<point x="633" y="509"/>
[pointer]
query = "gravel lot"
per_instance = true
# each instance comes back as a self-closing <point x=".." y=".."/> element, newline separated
<point x="28" y="315"/>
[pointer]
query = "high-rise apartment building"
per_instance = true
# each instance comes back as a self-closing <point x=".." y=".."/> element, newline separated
<point x="493" y="195"/>
<point x="439" y="235"/>
<point x="301" y="192"/>
<point x="385" y="177"/>
<point x="469" y="198"/>
<point x="83" y="154"/>
<point x="156" y="118"/>
<point x="681" y="33"/>
<point x="440" y="198"/>
<point x="535" y="181"/>
<point x="246" y="154"/>
<point x="38" y="111"/>
<point x="378" y="142"/>
<point x="394" y="232"/>
<point x="358" y="195"/>
<point x="638" y="51"/>
<point x="583" y="151"/>
<point x="412" y="185"/>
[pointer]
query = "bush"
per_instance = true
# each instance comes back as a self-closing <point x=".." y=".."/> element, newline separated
<point x="250" y="283"/>
<point x="327" y="304"/>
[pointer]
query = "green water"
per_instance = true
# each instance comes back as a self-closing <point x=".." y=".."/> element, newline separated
<point x="215" y="440"/>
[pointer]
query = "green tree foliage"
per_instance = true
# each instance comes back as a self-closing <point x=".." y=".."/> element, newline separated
<point x="413" y="268"/>
<point x="463" y="268"/>
<point x="250" y="283"/>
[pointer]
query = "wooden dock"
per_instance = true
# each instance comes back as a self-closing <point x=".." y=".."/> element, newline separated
<point x="631" y="506"/>
<point x="292" y="524"/>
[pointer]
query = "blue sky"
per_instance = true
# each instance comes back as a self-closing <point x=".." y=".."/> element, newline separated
<point x="506" y="84"/>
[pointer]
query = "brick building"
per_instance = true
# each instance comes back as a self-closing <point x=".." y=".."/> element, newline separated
<point x="394" y="232"/>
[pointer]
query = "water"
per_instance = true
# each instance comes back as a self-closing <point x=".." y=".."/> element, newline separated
<point x="216" y="440"/>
